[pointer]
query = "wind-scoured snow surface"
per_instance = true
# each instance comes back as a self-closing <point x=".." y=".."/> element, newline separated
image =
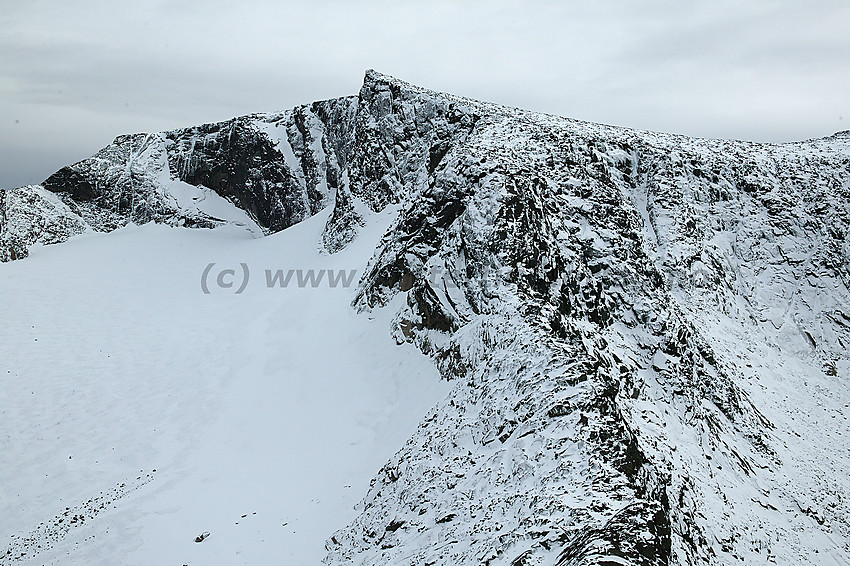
<point x="645" y="334"/>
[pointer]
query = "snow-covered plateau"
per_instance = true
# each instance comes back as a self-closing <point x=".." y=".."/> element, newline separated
<point x="564" y="344"/>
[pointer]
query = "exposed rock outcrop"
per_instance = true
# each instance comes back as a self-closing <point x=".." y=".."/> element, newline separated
<point x="581" y="284"/>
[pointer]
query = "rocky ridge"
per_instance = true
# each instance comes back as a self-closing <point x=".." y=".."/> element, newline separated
<point x="280" y="168"/>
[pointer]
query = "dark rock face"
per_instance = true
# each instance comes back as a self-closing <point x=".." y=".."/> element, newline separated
<point x="75" y="183"/>
<point x="620" y="311"/>
<point x="241" y="164"/>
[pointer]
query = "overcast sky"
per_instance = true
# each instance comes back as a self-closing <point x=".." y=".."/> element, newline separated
<point x="73" y="75"/>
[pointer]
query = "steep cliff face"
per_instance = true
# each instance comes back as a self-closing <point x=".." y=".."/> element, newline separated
<point x="625" y="314"/>
<point x="282" y="168"/>
<point x="398" y="137"/>
<point x="644" y="330"/>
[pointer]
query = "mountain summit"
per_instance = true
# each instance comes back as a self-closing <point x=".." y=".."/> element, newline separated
<point x="646" y="334"/>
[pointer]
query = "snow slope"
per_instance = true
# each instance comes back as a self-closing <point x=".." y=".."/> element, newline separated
<point x="157" y="412"/>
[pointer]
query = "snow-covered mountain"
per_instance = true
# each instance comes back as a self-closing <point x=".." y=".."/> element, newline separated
<point x="278" y="168"/>
<point x="645" y="334"/>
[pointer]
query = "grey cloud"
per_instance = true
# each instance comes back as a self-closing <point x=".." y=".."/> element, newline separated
<point x="76" y="75"/>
